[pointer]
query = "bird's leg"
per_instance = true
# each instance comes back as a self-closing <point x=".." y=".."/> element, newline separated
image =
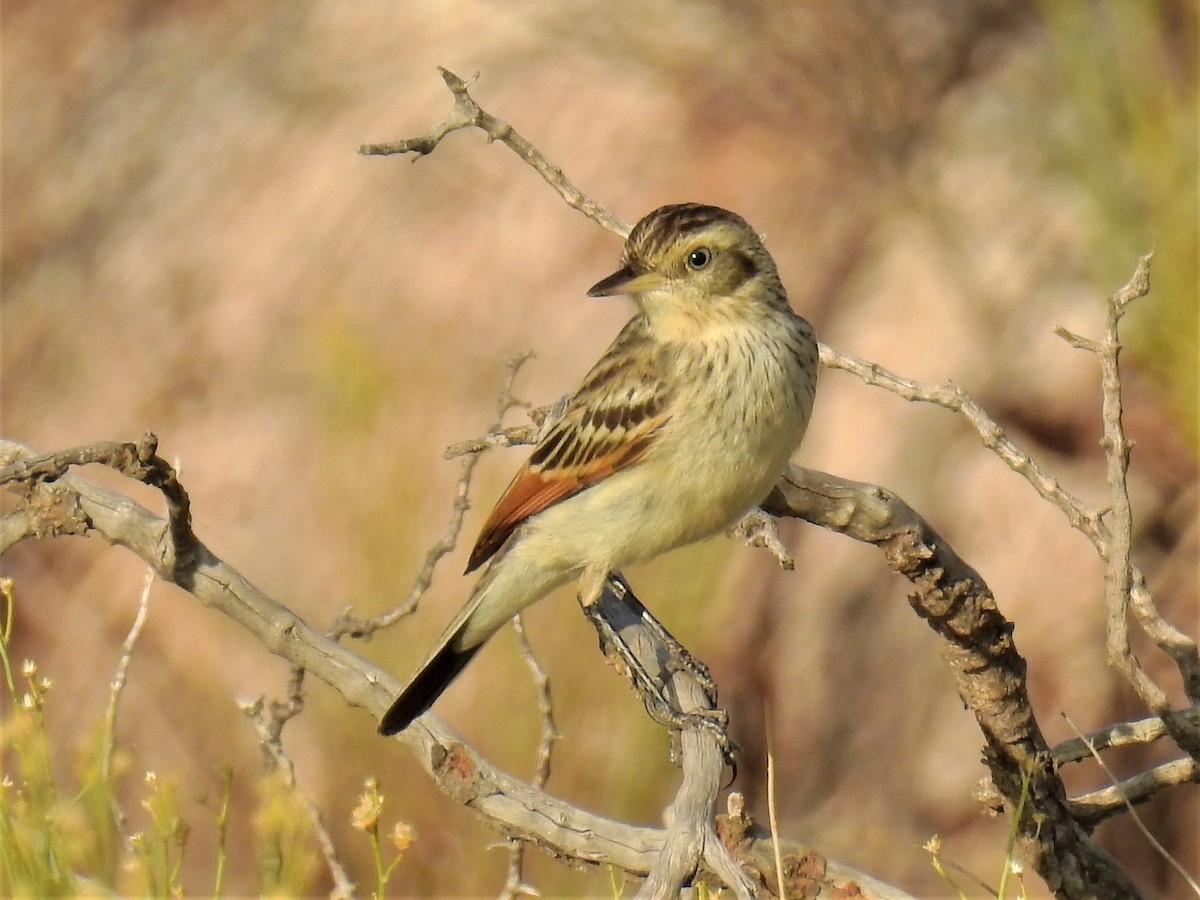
<point x="611" y="606"/>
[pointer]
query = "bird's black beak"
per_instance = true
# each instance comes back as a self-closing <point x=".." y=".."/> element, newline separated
<point x="626" y="281"/>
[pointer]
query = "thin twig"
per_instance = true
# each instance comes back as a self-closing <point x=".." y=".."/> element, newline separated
<point x="549" y="735"/>
<point x="952" y="397"/>
<point x="508" y="400"/>
<point x="352" y="626"/>
<point x="280" y="712"/>
<point x="279" y="758"/>
<point x="1133" y="814"/>
<point x="1175" y="643"/>
<point x="116" y="688"/>
<point x="514" y="435"/>
<point x="1118" y="578"/>
<point x="1121" y="578"/>
<point x="1086" y="519"/>
<point x="514" y="884"/>
<point x="468" y="114"/>
<point x="1122" y="734"/>
<point x="1095" y="807"/>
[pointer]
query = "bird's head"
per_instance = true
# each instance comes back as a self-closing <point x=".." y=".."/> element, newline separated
<point x="690" y="263"/>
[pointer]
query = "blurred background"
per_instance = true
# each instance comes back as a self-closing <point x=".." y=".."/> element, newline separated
<point x="193" y="246"/>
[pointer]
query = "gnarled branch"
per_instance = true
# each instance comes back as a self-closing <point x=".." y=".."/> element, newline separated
<point x="71" y="505"/>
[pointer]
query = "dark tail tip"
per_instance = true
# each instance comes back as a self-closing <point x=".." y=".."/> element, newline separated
<point x="426" y="686"/>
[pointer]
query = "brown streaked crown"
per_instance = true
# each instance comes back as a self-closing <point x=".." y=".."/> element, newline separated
<point x="664" y="239"/>
<point x="667" y="225"/>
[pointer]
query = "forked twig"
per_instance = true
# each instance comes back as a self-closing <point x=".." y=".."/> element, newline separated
<point x="468" y="114"/>
<point x="1121" y="577"/>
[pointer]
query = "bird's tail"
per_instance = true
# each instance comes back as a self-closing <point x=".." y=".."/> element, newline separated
<point x="475" y="623"/>
<point x="508" y="585"/>
<point x="427" y="685"/>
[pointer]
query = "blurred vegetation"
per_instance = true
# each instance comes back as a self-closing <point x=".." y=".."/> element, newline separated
<point x="65" y="835"/>
<point x="1125" y="128"/>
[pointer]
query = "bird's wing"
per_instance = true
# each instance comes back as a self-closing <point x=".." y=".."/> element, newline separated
<point x="609" y="425"/>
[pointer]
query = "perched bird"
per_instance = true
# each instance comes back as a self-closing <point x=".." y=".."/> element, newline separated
<point x="684" y="425"/>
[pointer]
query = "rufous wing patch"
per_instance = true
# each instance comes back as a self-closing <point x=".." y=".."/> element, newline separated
<point x="609" y="425"/>
<point x="533" y="491"/>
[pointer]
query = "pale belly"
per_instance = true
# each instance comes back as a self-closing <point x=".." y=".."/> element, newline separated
<point x="671" y="499"/>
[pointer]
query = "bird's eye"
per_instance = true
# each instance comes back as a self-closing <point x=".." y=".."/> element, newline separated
<point x="699" y="258"/>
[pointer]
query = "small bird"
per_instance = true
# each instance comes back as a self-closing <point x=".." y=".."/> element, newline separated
<point x="683" y="426"/>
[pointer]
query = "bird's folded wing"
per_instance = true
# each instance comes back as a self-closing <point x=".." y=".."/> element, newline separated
<point x="609" y="425"/>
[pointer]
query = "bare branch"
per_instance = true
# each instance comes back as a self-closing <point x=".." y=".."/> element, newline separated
<point x="976" y="641"/>
<point x="1133" y="814"/>
<point x="138" y="461"/>
<point x="349" y="625"/>
<point x="1122" y="734"/>
<point x="280" y="712"/>
<point x="1092" y="809"/>
<point x="951" y="597"/>
<point x="1077" y="341"/>
<point x="690" y="836"/>
<point x="1085" y="519"/>
<point x="978" y="645"/>
<point x="550" y="735"/>
<point x="466" y="113"/>
<point x="515" y="436"/>
<point x="508" y="400"/>
<point x="1179" y="646"/>
<point x="952" y="397"/>
<point x="507" y="804"/>
<point x="1121" y="578"/>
